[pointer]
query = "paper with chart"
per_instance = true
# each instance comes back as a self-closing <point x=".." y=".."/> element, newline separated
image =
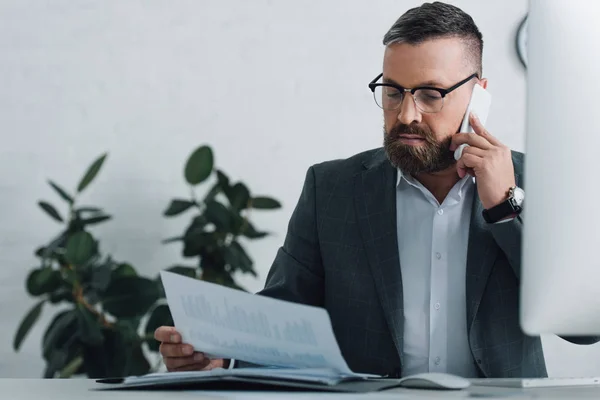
<point x="228" y="323"/>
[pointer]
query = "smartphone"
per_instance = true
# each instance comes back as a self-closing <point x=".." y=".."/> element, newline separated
<point x="480" y="103"/>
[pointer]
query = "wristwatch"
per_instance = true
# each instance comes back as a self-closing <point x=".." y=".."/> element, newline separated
<point x="509" y="207"/>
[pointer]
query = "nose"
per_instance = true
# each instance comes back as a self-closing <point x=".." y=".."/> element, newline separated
<point x="409" y="112"/>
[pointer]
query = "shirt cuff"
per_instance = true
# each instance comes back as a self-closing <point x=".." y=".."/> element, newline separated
<point x="231" y="364"/>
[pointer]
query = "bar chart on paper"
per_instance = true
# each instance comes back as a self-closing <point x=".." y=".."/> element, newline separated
<point x="236" y="318"/>
<point x="229" y="323"/>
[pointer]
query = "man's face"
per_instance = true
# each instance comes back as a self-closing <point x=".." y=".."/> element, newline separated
<point x="417" y="141"/>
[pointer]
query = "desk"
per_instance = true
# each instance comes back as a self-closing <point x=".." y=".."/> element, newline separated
<point x="83" y="389"/>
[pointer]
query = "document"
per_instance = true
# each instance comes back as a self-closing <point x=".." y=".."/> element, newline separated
<point x="228" y="323"/>
<point x="308" y="375"/>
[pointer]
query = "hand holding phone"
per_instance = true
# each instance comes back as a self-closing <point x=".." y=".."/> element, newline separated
<point x="479" y="105"/>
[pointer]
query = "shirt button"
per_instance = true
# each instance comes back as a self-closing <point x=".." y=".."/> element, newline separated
<point x="437" y="361"/>
<point x="440" y="211"/>
<point x="437" y="306"/>
<point x="438" y="255"/>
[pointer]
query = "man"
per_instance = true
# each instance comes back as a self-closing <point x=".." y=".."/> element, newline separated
<point x="415" y="256"/>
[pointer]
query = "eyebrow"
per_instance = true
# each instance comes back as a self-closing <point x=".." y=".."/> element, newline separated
<point x="426" y="83"/>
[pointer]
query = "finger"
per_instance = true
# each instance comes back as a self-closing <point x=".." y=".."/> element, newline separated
<point x="197" y="359"/>
<point x="462" y="172"/>
<point x="167" y="334"/>
<point x="218" y="363"/>
<point x="476" y="151"/>
<point x="466" y="162"/>
<point x="175" y="350"/>
<point x="471" y="139"/>
<point x="480" y="129"/>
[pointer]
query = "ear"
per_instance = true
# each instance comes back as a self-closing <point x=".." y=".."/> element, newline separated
<point x="483" y="82"/>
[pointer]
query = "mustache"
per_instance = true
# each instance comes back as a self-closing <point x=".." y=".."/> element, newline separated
<point x="403" y="129"/>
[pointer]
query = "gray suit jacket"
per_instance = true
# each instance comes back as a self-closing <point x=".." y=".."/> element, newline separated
<point x="341" y="253"/>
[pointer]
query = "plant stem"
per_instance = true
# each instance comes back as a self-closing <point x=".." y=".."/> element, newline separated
<point x="71" y="367"/>
<point x="147" y="337"/>
<point x="78" y="296"/>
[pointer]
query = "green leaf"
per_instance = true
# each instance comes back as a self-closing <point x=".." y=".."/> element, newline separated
<point x="213" y="192"/>
<point x="160" y="316"/>
<point x="66" y="197"/>
<point x="91" y="173"/>
<point x="195" y="239"/>
<point x="236" y="257"/>
<point x="265" y="203"/>
<point x="101" y="275"/>
<point x="80" y="248"/>
<point x="59" y="332"/>
<point x="57" y="359"/>
<point x="238" y="195"/>
<point x="219" y="215"/>
<point x="223" y="180"/>
<point x="251" y="233"/>
<point x="95" y="220"/>
<point x="199" y="165"/>
<point x="27" y="323"/>
<point x="130" y="296"/>
<point x="43" y="280"/>
<point x="197" y="243"/>
<point x="70" y="276"/>
<point x="107" y="359"/>
<point x="190" y="272"/>
<point x="50" y="251"/>
<point x="196" y="226"/>
<point x="123" y="270"/>
<point x="221" y="278"/>
<point x="62" y="294"/>
<point x="178" y="206"/>
<point x="90" y="330"/>
<point x="50" y="210"/>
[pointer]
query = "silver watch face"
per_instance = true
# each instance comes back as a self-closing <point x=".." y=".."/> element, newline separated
<point x="518" y="195"/>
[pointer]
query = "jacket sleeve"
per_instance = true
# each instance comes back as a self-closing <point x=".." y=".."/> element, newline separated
<point x="297" y="272"/>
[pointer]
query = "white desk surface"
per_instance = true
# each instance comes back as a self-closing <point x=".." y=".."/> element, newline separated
<point x="84" y="389"/>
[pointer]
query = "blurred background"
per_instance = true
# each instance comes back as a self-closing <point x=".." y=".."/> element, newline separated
<point x="271" y="86"/>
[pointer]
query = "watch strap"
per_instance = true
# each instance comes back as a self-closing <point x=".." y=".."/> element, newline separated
<point x="501" y="211"/>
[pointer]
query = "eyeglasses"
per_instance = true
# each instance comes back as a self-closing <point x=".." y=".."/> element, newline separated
<point x="428" y="99"/>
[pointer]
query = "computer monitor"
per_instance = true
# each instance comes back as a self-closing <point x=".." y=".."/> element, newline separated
<point x="560" y="276"/>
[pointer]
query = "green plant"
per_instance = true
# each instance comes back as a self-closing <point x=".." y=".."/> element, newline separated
<point x="222" y="219"/>
<point x="96" y="333"/>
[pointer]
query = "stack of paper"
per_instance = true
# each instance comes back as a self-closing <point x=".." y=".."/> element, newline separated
<point x="228" y="323"/>
<point x="309" y="375"/>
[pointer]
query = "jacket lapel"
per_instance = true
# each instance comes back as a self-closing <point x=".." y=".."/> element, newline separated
<point x="375" y="201"/>
<point x="481" y="254"/>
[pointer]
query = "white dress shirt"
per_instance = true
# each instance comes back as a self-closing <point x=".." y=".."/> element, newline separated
<point x="432" y="245"/>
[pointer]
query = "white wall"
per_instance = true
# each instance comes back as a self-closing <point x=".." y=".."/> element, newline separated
<point x="272" y="86"/>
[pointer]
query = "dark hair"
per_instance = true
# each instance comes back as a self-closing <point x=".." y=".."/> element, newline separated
<point x="437" y="20"/>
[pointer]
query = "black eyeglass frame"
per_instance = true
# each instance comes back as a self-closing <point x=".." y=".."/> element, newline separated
<point x="443" y="92"/>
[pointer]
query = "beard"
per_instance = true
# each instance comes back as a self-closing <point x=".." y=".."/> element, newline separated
<point x="430" y="156"/>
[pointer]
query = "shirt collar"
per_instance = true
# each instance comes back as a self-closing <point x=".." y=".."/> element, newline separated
<point x="413" y="182"/>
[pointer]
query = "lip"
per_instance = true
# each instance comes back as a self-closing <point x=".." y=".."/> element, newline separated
<point x="411" y="137"/>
